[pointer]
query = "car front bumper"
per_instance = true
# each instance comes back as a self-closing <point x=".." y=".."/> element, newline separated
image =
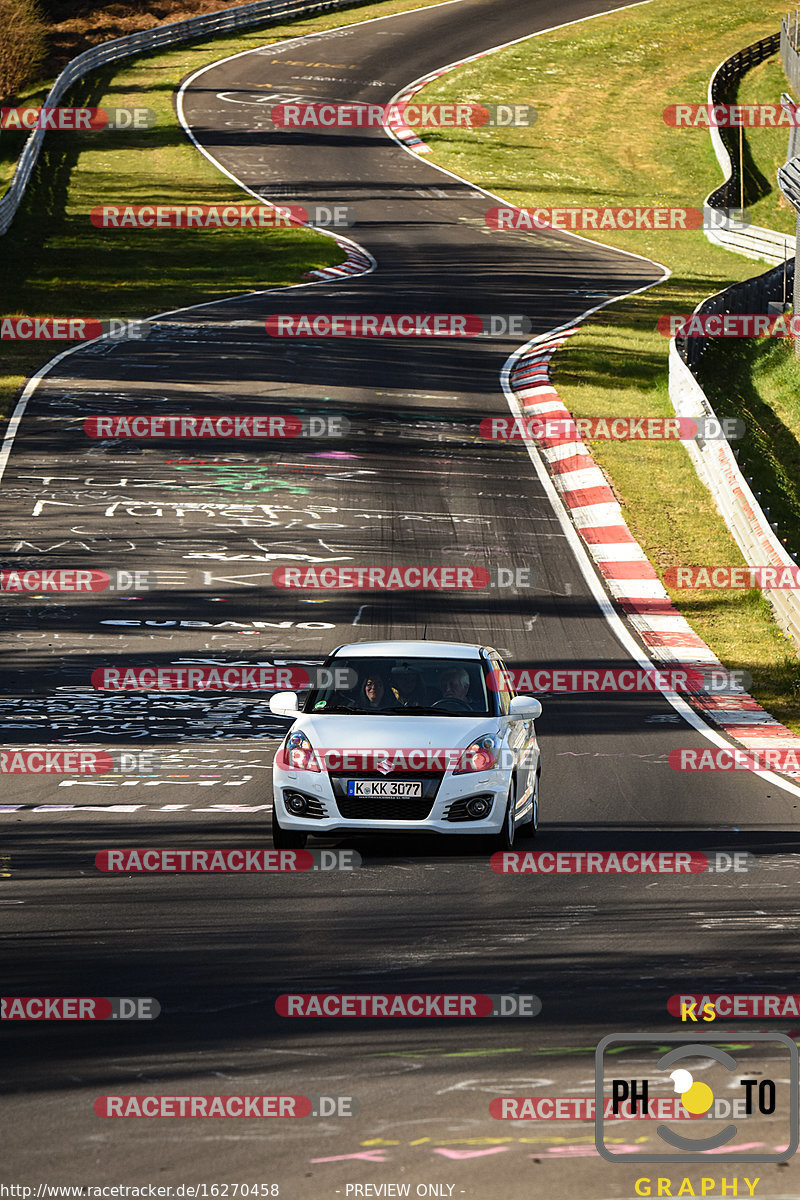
<point x="335" y="813"/>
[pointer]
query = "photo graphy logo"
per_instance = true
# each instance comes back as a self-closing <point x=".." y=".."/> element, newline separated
<point x="772" y="1095"/>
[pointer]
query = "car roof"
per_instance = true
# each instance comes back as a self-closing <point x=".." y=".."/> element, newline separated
<point x="460" y="650"/>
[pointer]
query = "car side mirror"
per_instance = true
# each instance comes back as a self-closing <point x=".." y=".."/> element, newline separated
<point x="524" y="708"/>
<point x="284" y="704"/>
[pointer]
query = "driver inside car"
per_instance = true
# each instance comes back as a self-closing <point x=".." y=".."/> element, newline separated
<point x="454" y="682"/>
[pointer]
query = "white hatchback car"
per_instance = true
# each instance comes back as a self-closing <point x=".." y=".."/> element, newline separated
<point x="408" y="737"/>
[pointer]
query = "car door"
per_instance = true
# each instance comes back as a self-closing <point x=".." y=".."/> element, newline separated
<point x="520" y="737"/>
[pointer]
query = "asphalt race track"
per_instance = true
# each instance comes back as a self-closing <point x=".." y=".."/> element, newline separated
<point x="412" y="482"/>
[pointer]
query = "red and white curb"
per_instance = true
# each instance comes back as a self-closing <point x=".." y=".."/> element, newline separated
<point x="624" y="566"/>
<point x="356" y="263"/>
<point x="397" y="127"/>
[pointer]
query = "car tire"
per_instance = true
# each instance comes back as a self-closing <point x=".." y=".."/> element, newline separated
<point x="531" y="827"/>
<point x="286" y="839"/>
<point x="504" y="840"/>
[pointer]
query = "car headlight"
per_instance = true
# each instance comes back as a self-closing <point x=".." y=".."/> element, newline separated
<point x="297" y="754"/>
<point x="480" y="755"/>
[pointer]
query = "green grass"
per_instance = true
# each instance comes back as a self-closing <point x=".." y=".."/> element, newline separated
<point x="765" y="149"/>
<point x="758" y="381"/>
<point x="57" y="264"/>
<point x="600" y="89"/>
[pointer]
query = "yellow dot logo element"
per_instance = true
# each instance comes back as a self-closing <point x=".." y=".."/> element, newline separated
<point x="696" y="1098"/>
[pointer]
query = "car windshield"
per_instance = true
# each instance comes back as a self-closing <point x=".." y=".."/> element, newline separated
<point x="435" y="687"/>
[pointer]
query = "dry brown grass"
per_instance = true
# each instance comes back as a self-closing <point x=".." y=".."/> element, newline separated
<point x="70" y="32"/>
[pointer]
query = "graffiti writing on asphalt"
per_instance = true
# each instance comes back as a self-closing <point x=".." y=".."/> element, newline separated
<point x="271" y="515"/>
<point x="226" y="477"/>
<point x="267" y="515"/>
<point x="85" y="714"/>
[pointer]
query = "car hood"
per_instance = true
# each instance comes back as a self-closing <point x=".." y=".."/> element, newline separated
<point x="395" y="732"/>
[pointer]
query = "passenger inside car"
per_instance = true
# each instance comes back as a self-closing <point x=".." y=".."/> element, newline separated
<point x="372" y="694"/>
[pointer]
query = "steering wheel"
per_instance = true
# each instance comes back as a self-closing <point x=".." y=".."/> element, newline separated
<point x="457" y="702"/>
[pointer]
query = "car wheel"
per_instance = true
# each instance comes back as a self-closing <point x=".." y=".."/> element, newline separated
<point x="286" y="839"/>
<point x="505" y="838"/>
<point x="531" y="827"/>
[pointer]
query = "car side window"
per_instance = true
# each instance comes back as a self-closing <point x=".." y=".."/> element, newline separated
<point x="500" y="676"/>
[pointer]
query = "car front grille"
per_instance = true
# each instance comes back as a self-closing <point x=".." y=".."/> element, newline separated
<point x="384" y="808"/>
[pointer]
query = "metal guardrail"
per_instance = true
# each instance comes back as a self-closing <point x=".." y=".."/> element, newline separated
<point x="719" y="471"/>
<point x="750" y="296"/>
<point x="715" y="461"/>
<point x="728" y="194"/>
<point x="753" y="241"/>
<point x="238" y="17"/>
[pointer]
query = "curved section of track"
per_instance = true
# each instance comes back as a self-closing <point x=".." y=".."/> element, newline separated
<point x="412" y="482"/>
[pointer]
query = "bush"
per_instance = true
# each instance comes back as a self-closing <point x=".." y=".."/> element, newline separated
<point x="22" y="45"/>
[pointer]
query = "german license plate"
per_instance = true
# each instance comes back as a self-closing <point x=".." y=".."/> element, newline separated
<point x="384" y="787"/>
